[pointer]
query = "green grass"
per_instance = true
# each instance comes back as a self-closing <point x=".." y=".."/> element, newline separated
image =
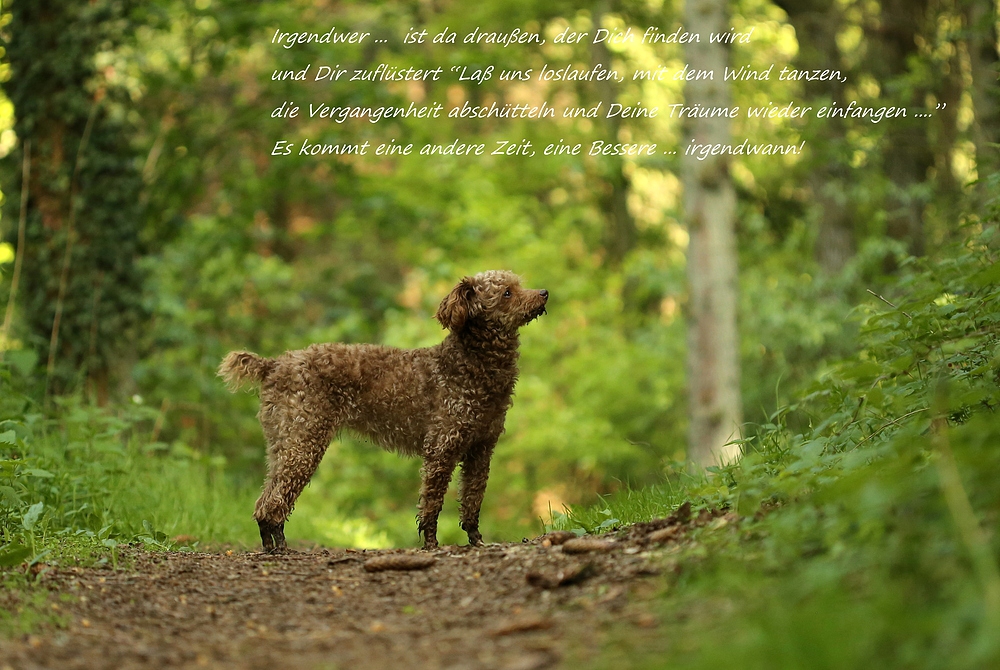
<point x="619" y="509"/>
<point x="87" y="473"/>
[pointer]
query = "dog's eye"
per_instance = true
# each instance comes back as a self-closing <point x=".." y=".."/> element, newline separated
<point x="507" y="293"/>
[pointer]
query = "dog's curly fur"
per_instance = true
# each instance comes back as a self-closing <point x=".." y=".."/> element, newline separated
<point x="446" y="403"/>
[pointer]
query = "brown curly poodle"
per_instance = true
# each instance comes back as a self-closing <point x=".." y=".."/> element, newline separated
<point x="446" y="403"/>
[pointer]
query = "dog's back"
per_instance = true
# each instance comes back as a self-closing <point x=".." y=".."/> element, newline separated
<point x="380" y="392"/>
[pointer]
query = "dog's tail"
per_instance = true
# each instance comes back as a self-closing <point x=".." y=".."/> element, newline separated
<point x="242" y="368"/>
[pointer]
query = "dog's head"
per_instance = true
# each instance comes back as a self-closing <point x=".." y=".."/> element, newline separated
<point x="493" y="300"/>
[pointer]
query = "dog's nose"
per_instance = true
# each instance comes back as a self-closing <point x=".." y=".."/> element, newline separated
<point x="544" y="294"/>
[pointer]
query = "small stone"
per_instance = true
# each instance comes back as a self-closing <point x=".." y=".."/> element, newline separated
<point x="523" y="625"/>
<point x="665" y="534"/>
<point x="572" y="574"/>
<point x="682" y="515"/>
<point x="535" y="660"/>
<point x="719" y="522"/>
<point x="557" y="537"/>
<point x="646" y="620"/>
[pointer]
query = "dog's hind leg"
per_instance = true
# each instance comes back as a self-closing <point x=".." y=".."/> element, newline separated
<point x="294" y="451"/>
<point x="475" y="472"/>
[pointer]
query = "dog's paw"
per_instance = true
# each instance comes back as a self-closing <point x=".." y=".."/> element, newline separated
<point x="272" y="537"/>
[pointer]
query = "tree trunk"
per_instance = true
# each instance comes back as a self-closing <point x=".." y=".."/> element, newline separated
<point x="710" y="207"/>
<point x="945" y="134"/>
<point x="907" y="155"/>
<point x="816" y="24"/>
<point x="981" y="24"/>
<point x="620" y="232"/>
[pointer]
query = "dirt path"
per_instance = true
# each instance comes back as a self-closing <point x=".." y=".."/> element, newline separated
<point x="505" y="606"/>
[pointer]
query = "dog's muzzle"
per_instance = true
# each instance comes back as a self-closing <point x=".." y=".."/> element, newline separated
<point x="537" y="312"/>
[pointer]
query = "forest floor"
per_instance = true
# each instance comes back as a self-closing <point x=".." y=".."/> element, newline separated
<point x="523" y="606"/>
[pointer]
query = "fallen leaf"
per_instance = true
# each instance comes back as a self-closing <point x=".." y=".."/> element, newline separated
<point x="572" y="574"/>
<point x="665" y="535"/>
<point x="557" y="537"/>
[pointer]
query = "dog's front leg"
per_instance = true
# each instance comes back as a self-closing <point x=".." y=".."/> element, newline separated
<point x="435" y="476"/>
<point x="475" y="472"/>
<point x="272" y="536"/>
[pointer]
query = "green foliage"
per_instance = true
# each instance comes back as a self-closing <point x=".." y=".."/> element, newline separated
<point x="84" y="212"/>
<point x="876" y="512"/>
<point x="945" y="330"/>
<point x="90" y="479"/>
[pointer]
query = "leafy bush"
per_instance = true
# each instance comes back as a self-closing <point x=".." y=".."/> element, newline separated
<point x="877" y="512"/>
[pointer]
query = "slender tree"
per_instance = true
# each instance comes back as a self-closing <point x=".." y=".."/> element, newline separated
<point x="710" y="208"/>
<point x="816" y="24"/>
<point x="981" y="28"/>
<point x="907" y="154"/>
<point x="620" y="234"/>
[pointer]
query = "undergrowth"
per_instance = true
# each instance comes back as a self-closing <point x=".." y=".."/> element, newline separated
<point x="868" y="539"/>
<point x="78" y="480"/>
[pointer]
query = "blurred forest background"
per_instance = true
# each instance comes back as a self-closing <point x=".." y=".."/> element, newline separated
<point x="159" y="233"/>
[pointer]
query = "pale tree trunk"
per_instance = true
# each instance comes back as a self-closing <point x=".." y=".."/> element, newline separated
<point x="620" y="233"/>
<point x="710" y="208"/>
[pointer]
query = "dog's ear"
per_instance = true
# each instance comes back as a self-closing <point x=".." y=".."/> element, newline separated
<point x="456" y="308"/>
